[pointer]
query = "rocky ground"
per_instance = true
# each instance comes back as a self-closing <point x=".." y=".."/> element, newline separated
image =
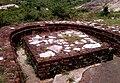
<point x="105" y="73"/>
<point x="97" y="5"/>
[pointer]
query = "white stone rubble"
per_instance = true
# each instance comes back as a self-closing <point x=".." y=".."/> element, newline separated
<point x="77" y="42"/>
<point x="12" y="27"/>
<point x="68" y="32"/>
<point x="60" y="35"/>
<point x="83" y="35"/>
<point x="47" y="54"/>
<point x="52" y="37"/>
<point x="66" y="45"/>
<point x="37" y="37"/>
<point x="45" y="41"/>
<point x="76" y="49"/>
<point x="55" y="48"/>
<point x="1" y="58"/>
<point x="34" y="42"/>
<point x="99" y="20"/>
<point x="50" y="41"/>
<point x="72" y="45"/>
<point x="78" y="22"/>
<point x="92" y="45"/>
<point x="67" y="50"/>
<point x="61" y="40"/>
<point x="60" y="43"/>
<point x="115" y="30"/>
<point x="84" y="41"/>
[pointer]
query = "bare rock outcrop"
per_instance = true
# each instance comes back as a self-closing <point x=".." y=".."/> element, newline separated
<point x="97" y="5"/>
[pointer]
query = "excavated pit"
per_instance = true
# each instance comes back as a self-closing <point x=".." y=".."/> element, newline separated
<point x="56" y="47"/>
<point x="55" y="50"/>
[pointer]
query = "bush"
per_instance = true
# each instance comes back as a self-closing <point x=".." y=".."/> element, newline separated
<point x="105" y="11"/>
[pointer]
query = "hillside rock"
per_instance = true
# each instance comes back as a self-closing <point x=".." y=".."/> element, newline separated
<point x="97" y="5"/>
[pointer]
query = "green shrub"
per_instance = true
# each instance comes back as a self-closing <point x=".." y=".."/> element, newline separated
<point x="105" y="11"/>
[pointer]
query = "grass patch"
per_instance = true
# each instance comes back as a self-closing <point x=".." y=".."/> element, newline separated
<point x="112" y="21"/>
<point x="71" y="38"/>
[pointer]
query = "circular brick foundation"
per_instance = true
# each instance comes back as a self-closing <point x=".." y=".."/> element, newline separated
<point x="12" y="36"/>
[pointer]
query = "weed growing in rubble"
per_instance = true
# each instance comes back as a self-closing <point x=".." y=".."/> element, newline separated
<point x="71" y="38"/>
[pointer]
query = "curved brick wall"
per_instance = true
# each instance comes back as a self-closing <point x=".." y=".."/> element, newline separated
<point x="9" y="36"/>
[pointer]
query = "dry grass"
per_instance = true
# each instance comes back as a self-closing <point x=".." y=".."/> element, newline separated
<point x="71" y="38"/>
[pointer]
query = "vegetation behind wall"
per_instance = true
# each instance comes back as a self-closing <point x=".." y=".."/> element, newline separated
<point x="44" y="10"/>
